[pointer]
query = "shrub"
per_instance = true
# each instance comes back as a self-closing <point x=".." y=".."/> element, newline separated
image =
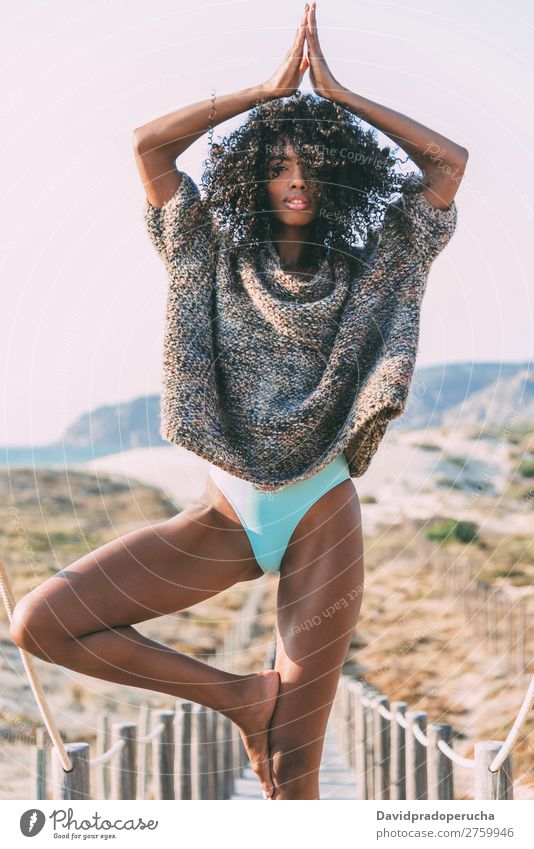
<point x="526" y="469"/>
<point x="450" y="529"/>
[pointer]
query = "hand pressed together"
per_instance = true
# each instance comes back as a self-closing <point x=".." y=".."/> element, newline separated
<point x="304" y="54"/>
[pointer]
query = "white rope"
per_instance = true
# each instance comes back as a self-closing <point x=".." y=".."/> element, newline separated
<point x="383" y="711"/>
<point x="454" y="756"/>
<point x="401" y="719"/>
<point x="156" y="731"/>
<point x="499" y="758"/>
<point x="27" y="660"/>
<point x="419" y="735"/>
<point x="506" y="748"/>
<point x="106" y="756"/>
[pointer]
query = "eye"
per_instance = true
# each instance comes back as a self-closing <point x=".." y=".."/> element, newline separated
<point x="275" y="169"/>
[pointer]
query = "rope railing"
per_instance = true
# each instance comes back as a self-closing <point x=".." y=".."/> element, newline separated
<point x="194" y="756"/>
<point x="156" y="732"/>
<point x="513" y="734"/>
<point x="208" y="752"/>
<point x="197" y="752"/>
<point x="105" y="757"/>
<point x="419" y="757"/>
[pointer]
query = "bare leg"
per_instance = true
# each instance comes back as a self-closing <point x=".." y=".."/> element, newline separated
<point x="82" y="617"/>
<point x="319" y="599"/>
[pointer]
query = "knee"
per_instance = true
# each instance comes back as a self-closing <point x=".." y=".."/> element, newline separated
<point x="294" y="773"/>
<point x="31" y="626"/>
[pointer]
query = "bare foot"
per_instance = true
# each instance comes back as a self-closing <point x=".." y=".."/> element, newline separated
<point x="253" y="719"/>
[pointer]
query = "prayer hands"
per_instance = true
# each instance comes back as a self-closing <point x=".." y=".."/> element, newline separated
<point x="288" y="76"/>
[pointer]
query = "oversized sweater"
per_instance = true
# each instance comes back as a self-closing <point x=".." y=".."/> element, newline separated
<point x="269" y="376"/>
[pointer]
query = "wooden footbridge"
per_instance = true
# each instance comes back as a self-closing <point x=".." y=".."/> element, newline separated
<point x="373" y="749"/>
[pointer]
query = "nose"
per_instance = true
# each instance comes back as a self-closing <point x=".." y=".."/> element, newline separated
<point x="297" y="180"/>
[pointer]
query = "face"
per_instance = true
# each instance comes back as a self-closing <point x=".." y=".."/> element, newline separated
<point x="290" y="195"/>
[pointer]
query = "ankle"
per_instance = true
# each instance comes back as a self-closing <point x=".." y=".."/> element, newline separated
<point x="239" y="697"/>
<point x="253" y="697"/>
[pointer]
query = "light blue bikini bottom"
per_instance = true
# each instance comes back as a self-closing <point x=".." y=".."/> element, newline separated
<point x="269" y="517"/>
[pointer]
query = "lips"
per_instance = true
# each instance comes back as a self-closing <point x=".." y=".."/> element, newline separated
<point x="296" y="202"/>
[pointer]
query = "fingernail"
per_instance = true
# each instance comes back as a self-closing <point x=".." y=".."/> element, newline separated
<point x="265" y="794"/>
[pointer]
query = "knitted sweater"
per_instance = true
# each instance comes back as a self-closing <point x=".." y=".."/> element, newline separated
<point x="269" y="376"/>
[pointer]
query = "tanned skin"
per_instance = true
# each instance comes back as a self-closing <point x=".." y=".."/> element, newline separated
<point x="82" y="617"/>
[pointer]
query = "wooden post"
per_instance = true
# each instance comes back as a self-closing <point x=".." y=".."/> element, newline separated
<point x="103" y="743"/>
<point x="340" y="720"/>
<point x="182" y="719"/>
<point x="76" y="783"/>
<point x="343" y="702"/>
<point x="360" y="741"/>
<point x="492" y="785"/>
<point x="350" y="714"/>
<point x="142" y="763"/>
<point x="123" y="764"/>
<point x="440" y="767"/>
<point x="370" y="742"/>
<point x="213" y="753"/>
<point x="416" y="763"/>
<point x="227" y="759"/>
<point x="237" y="747"/>
<point x="199" y="752"/>
<point x="381" y="749"/>
<point x="398" y="754"/>
<point x="38" y="762"/>
<point x="163" y="756"/>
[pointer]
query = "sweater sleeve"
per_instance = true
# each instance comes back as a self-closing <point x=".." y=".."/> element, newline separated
<point x="426" y="228"/>
<point x="181" y="226"/>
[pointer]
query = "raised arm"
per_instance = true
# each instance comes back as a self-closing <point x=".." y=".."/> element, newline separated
<point x="442" y="161"/>
<point x="158" y="143"/>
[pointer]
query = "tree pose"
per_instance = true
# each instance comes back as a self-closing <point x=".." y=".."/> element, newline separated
<point x="295" y="285"/>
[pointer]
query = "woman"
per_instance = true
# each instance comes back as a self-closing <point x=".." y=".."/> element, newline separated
<point x="289" y="346"/>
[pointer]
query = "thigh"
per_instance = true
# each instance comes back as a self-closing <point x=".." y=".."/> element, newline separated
<point x="319" y="599"/>
<point x="146" y="573"/>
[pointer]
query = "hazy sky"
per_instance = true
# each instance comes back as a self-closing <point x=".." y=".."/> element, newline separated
<point x="83" y="291"/>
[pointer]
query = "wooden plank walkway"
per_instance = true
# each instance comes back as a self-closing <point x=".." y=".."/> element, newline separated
<point x="336" y="780"/>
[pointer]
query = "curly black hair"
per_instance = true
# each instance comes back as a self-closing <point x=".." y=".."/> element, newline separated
<point x="353" y="177"/>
